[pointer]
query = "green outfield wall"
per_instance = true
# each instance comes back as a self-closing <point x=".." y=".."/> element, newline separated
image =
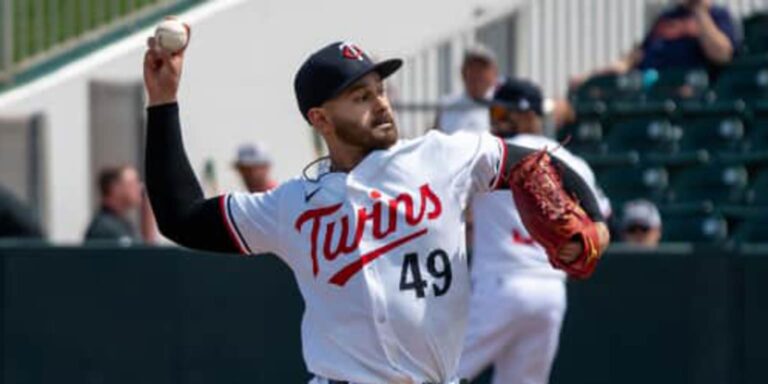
<point x="127" y="315"/>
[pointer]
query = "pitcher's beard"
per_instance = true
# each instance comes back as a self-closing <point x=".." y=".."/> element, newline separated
<point x="381" y="134"/>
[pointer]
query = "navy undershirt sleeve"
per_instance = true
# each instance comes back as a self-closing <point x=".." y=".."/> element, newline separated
<point x="183" y="214"/>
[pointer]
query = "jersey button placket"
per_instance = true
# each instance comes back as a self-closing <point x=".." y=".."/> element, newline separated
<point x="375" y="286"/>
<point x="383" y="323"/>
<point x="378" y="298"/>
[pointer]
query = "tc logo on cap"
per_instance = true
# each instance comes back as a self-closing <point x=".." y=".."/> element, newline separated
<point x="351" y="51"/>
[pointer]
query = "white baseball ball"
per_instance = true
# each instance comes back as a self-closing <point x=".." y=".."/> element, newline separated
<point x="171" y="35"/>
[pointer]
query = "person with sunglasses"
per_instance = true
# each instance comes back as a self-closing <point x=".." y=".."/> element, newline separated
<point x="518" y="299"/>
<point x="641" y="223"/>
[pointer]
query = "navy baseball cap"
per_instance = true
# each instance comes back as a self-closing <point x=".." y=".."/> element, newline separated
<point x="331" y="70"/>
<point x="519" y="95"/>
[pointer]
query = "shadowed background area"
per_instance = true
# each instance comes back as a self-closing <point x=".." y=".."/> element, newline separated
<point x="112" y="315"/>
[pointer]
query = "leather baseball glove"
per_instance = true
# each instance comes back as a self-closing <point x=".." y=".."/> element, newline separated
<point x="553" y="217"/>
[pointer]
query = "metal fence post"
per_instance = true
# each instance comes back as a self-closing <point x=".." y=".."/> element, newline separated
<point x="6" y="34"/>
<point x="39" y="24"/>
<point x="54" y="37"/>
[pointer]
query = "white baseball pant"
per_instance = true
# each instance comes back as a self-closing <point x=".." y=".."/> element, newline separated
<point x="514" y="324"/>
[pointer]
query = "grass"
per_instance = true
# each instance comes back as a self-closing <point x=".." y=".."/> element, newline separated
<point x="59" y="33"/>
<point x="39" y="25"/>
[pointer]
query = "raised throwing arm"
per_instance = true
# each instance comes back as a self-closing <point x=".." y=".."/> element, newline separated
<point x="183" y="214"/>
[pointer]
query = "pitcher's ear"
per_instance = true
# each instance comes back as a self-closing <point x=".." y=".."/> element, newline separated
<point x="317" y="118"/>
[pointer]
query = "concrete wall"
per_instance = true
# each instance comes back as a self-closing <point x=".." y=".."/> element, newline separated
<point x="237" y="83"/>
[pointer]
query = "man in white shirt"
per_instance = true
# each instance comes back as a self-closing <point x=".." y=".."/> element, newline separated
<point x="467" y="110"/>
<point x="518" y="299"/>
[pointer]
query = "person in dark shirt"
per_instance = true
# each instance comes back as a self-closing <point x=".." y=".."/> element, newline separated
<point x="17" y="220"/>
<point x="690" y="34"/>
<point x="121" y="194"/>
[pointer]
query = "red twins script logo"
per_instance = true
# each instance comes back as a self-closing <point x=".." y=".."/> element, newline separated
<point x="348" y="240"/>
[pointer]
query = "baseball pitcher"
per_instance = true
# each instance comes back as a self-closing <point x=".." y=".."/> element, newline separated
<point x="374" y="237"/>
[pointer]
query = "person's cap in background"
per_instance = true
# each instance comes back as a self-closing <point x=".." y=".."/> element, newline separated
<point x="640" y="213"/>
<point x="329" y="71"/>
<point x="252" y="154"/>
<point x="480" y="53"/>
<point x="519" y="95"/>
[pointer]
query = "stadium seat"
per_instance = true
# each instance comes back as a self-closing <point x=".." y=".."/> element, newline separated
<point x="586" y="134"/>
<point x="716" y="127"/>
<point x="756" y="33"/>
<point x="753" y="231"/>
<point x="719" y="183"/>
<point x="745" y="80"/>
<point x="677" y="161"/>
<point x="680" y="84"/>
<point x="591" y="109"/>
<point x="700" y="227"/>
<point x="758" y="190"/>
<point x="608" y="160"/>
<point x="611" y="87"/>
<point x="623" y="183"/>
<point x="758" y="135"/>
<point x="644" y="127"/>
<point x="754" y="161"/>
<point x="644" y="135"/>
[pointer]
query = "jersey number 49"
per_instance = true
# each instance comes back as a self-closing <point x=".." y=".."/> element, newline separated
<point x="438" y="266"/>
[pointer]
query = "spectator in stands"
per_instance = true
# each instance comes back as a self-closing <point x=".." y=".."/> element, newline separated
<point x="689" y="34"/>
<point x="466" y="110"/>
<point x="17" y="220"/>
<point x="641" y="223"/>
<point x="122" y="195"/>
<point x="254" y="164"/>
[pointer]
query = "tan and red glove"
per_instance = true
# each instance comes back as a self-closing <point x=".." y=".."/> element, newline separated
<point x="552" y="216"/>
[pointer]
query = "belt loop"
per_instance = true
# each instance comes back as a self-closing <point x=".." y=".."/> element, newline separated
<point x="324" y="380"/>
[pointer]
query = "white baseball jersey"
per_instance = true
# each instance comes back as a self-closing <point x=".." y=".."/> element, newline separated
<point x="460" y="113"/>
<point x="379" y="256"/>
<point x="500" y="240"/>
